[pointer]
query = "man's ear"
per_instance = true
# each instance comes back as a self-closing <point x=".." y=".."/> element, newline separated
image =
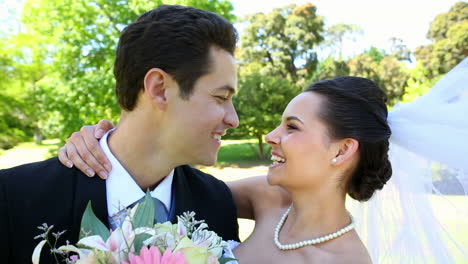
<point x="155" y="85"/>
<point x="346" y="149"/>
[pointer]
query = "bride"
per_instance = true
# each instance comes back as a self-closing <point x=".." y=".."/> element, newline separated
<point x="335" y="140"/>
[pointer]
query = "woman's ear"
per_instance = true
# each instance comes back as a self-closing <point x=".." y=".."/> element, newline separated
<point x="155" y="85"/>
<point x="346" y="149"/>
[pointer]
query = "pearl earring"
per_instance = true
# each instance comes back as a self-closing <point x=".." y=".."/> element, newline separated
<point x="334" y="160"/>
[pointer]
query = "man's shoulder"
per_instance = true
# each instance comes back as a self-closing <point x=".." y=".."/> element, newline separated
<point x="47" y="174"/>
<point x="51" y="165"/>
<point x="33" y="165"/>
<point x="209" y="197"/>
<point x="203" y="182"/>
<point x="200" y="176"/>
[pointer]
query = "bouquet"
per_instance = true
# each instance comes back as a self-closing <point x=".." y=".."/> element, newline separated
<point x="139" y="240"/>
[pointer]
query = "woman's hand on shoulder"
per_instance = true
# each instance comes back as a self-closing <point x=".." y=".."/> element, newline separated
<point x="82" y="150"/>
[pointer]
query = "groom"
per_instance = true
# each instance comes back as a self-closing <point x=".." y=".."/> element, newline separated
<point x="175" y="78"/>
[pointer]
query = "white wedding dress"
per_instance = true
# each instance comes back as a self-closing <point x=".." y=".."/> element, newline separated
<point x="429" y="137"/>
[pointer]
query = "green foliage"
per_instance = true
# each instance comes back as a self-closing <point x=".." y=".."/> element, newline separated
<point x="15" y="126"/>
<point x="282" y="42"/>
<point x="62" y="62"/>
<point x="260" y="102"/>
<point x="443" y="22"/>
<point x="277" y="59"/>
<point x="330" y="68"/>
<point x="448" y="33"/>
<point x="6" y="60"/>
<point x="418" y="83"/>
<point x="376" y="54"/>
<point x="15" y="119"/>
<point x="386" y="70"/>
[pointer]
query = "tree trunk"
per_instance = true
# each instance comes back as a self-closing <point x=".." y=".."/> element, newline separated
<point x="37" y="135"/>
<point x="261" y="151"/>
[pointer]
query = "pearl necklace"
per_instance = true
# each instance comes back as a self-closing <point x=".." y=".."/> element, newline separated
<point x="312" y="241"/>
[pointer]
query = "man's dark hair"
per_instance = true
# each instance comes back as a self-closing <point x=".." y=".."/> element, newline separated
<point x="176" y="39"/>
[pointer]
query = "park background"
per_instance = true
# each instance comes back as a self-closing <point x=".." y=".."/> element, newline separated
<point x="56" y="61"/>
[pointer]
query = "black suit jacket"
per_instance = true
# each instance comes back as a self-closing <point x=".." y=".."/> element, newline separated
<point x="48" y="192"/>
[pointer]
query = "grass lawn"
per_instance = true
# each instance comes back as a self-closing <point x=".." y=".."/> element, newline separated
<point x="239" y="153"/>
<point x="28" y="152"/>
<point x="237" y="160"/>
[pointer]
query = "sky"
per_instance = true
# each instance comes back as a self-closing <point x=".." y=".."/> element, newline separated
<point x="408" y="20"/>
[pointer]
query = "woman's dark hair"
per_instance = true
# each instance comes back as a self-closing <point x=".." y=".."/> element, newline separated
<point x="176" y="39"/>
<point x="355" y="107"/>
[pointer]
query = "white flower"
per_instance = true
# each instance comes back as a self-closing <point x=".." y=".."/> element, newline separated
<point x="37" y="252"/>
<point x="182" y="229"/>
<point x="210" y="240"/>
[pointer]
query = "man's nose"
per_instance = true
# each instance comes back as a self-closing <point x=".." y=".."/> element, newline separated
<point x="231" y="118"/>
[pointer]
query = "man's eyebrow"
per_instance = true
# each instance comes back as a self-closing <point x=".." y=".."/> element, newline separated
<point x="289" y="118"/>
<point x="229" y="88"/>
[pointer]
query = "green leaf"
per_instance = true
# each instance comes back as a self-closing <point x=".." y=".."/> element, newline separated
<point x="225" y="260"/>
<point x="144" y="217"/>
<point x="91" y="225"/>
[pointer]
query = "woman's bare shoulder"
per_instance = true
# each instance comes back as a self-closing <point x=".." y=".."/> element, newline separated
<point x="353" y="251"/>
<point x="346" y="250"/>
<point x="257" y="195"/>
<point x="268" y="196"/>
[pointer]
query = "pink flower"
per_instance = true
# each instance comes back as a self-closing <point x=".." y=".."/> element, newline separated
<point x="153" y="256"/>
<point x="90" y="259"/>
<point x="213" y="260"/>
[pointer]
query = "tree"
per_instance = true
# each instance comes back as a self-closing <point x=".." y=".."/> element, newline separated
<point x="376" y="54"/>
<point x="337" y="33"/>
<point x="6" y="71"/>
<point x="76" y="40"/>
<point x="16" y="119"/>
<point x="283" y="41"/>
<point x="14" y="124"/>
<point x="330" y="68"/>
<point x="399" y="50"/>
<point x="260" y="103"/>
<point x="418" y="83"/>
<point x="386" y="70"/>
<point x="277" y="59"/>
<point x="450" y="41"/>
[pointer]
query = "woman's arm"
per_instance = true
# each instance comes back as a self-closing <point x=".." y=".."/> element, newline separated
<point x="254" y="195"/>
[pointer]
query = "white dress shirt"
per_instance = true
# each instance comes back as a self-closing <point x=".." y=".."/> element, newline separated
<point x="123" y="191"/>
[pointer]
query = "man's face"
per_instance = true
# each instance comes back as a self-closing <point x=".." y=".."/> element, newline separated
<point x="197" y="124"/>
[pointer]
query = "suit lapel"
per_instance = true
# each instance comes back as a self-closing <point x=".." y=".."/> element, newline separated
<point x="89" y="189"/>
<point x="181" y="195"/>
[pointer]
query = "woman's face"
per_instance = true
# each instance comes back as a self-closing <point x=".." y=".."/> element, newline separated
<point x="301" y="147"/>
